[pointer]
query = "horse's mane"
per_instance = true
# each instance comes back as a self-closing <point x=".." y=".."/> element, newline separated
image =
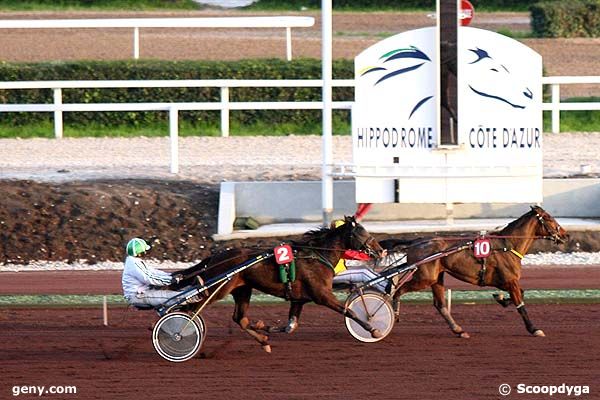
<point x="516" y="223"/>
<point x="317" y="235"/>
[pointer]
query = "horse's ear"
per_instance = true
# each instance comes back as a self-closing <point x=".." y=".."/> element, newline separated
<point x="536" y="209"/>
<point x="351" y="219"/>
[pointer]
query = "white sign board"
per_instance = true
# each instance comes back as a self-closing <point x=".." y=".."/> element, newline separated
<point x="395" y="132"/>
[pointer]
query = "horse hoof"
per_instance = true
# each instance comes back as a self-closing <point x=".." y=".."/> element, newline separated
<point x="267" y="348"/>
<point x="539" y="333"/>
<point x="260" y="325"/>
<point x="463" y="335"/>
<point x="291" y="328"/>
<point x="376" y="333"/>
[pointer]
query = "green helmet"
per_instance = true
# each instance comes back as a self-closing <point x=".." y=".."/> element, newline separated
<point x="137" y="246"/>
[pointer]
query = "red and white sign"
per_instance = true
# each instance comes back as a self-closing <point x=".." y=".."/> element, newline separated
<point x="466" y="12"/>
<point x="482" y="248"/>
<point x="283" y="254"/>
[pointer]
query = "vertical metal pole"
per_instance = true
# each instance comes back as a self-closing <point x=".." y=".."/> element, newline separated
<point x="58" y="115"/>
<point x="288" y="42"/>
<point x="438" y="108"/>
<point x="326" y="64"/>
<point x="225" y="111"/>
<point x="174" y="138"/>
<point x="136" y="42"/>
<point x="555" y="108"/>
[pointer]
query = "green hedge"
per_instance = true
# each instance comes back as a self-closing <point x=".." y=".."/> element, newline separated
<point x="575" y="18"/>
<point x="146" y="70"/>
<point x="514" y="5"/>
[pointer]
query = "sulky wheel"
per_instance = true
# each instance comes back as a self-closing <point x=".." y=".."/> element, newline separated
<point x="202" y="325"/>
<point x="176" y="337"/>
<point x="373" y="308"/>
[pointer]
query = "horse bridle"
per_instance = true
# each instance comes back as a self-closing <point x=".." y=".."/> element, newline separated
<point x="554" y="235"/>
<point x="365" y="245"/>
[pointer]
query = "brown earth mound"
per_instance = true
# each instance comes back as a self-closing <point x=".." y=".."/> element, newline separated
<point x="93" y="220"/>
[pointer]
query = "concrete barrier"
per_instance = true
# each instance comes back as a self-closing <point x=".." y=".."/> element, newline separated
<point x="300" y="202"/>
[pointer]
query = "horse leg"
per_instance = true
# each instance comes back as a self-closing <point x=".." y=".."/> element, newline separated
<point x="328" y="300"/>
<point x="439" y="302"/>
<point x="503" y="301"/>
<point x="241" y="297"/>
<point x="500" y="299"/>
<point x="516" y="295"/>
<point x="418" y="282"/>
<point x="294" y="317"/>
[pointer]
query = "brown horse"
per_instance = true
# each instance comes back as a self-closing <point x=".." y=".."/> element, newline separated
<point x="316" y="255"/>
<point x="502" y="269"/>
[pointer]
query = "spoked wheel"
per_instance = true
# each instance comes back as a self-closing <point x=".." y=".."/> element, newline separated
<point x="177" y="337"/>
<point x="373" y="308"/>
<point x="202" y="325"/>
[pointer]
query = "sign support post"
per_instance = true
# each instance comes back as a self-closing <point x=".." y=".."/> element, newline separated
<point x="326" y="66"/>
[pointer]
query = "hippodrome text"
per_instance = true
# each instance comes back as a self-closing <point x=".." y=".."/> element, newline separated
<point x="481" y="137"/>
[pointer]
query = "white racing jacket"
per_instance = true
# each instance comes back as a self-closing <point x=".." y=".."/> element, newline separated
<point x="137" y="277"/>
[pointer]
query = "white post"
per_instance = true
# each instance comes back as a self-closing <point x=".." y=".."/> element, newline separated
<point x="449" y="213"/>
<point x="555" y="108"/>
<point x="174" y="137"/>
<point x="104" y="311"/>
<point x="288" y="42"/>
<point x="58" y="115"/>
<point x="326" y="65"/>
<point x="224" y="111"/>
<point x="136" y="42"/>
<point x="449" y="301"/>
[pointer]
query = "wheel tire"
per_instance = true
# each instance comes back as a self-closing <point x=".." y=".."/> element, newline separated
<point x="373" y="308"/>
<point x="202" y="325"/>
<point x="177" y="337"/>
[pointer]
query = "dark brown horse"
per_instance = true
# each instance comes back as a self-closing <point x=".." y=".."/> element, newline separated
<point x="316" y="255"/>
<point x="502" y="269"/>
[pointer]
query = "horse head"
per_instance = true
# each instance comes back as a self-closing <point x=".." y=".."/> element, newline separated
<point x="356" y="237"/>
<point x="548" y="226"/>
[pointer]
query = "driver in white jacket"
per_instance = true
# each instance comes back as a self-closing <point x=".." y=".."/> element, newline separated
<point x="139" y="280"/>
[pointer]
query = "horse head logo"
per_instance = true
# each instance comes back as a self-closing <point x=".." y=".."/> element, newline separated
<point x="484" y="76"/>
<point x="493" y="80"/>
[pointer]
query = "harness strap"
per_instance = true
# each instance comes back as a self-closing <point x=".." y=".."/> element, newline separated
<point x="516" y="253"/>
<point x="482" y="271"/>
<point x="319" y="257"/>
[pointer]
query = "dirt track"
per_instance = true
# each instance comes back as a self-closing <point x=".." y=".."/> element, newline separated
<point x="420" y="359"/>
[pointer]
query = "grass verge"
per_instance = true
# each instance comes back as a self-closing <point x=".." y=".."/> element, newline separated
<point x="583" y="296"/>
<point x="576" y="121"/>
<point x="570" y="121"/>
<point x="341" y="126"/>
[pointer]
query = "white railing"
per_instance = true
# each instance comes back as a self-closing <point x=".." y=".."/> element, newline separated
<point x="555" y="105"/>
<point x="287" y="22"/>
<point x="225" y="105"/>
